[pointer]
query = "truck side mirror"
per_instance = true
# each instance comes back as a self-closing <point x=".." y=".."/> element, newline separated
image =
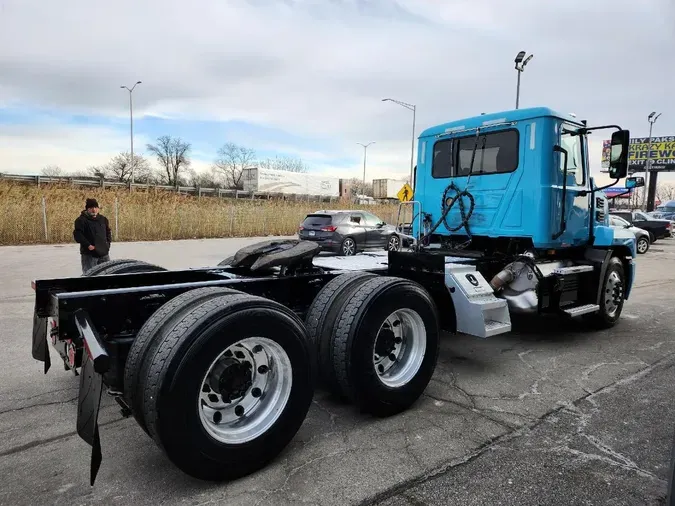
<point x="635" y="182"/>
<point x="618" y="158"/>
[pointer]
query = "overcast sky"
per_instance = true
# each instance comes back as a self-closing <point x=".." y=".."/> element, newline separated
<point x="306" y="77"/>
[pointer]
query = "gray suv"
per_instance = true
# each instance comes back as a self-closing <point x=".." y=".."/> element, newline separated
<point x="347" y="232"/>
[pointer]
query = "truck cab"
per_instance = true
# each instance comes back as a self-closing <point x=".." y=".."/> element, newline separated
<point x="525" y="178"/>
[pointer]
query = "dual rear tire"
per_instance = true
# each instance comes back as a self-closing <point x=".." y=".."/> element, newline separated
<point x="375" y="340"/>
<point x="221" y="380"/>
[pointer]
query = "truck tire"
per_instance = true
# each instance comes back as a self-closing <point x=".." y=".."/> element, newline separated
<point x="612" y="296"/>
<point x="385" y="345"/>
<point x="166" y="315"/>
<point x="229" y="386"/>
<point x="320" y="320"/>
<point x="134" y="266"/>
<point x="94" y="271"/>
<point x="122" y="266"/>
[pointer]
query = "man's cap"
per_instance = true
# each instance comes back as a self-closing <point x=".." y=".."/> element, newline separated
<point x="90" y="203"/>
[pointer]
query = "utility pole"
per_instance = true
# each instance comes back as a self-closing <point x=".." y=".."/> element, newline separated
<point x="520" y="67"/>
<point x="652" y="119"/>
<point x="365" y="148"/>
<point x="131" y="127"/>
<point x="412" y="108"/>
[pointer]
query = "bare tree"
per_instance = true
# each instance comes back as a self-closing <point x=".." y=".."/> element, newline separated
<point x="53" y="171"/>
<point x="359" y="188"/>
<point x="119" y="169"/>
<point x="665" y="192"/>
<point x="172" y="155"/>
<point x="287" y="163"/>
<point x="209" y="179"/>
<point x="231" y="161"/>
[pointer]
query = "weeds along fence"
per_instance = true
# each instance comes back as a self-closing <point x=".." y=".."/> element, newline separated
<point x="46" y="214"/>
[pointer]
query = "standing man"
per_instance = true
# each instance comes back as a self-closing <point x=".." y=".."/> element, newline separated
<point x="93" y="234"/>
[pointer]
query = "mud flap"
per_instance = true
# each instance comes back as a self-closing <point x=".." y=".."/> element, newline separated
<point x="95" y="362"/>
<point x="88" y="404"/>
<point x="40" y="345"/>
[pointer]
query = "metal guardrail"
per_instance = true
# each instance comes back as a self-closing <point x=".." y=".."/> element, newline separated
<point x="187" y="190"/>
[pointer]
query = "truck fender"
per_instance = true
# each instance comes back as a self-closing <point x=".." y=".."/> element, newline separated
<point x="628" y="264"/>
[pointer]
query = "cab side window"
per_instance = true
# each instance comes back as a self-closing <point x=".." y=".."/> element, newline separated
<point x="575" y="156"/>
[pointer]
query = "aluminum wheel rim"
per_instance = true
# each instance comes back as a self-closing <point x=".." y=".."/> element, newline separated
<point x="613" y="294"/>
<point x="348" y="247"/>
<point x="399" y="362"/>
<point x="642" y="245"/>
<point x="261" y="402"/>
<point x="393" y="243"/>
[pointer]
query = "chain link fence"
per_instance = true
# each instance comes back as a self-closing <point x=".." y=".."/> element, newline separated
<point x="30" y="215"/>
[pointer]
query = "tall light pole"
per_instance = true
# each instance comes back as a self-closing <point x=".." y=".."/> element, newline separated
<point x="412" y="108"/>
<point x="365" y="148"/>
<point x="652" y="119"/>
<point x="131" y="127"/>
<point x="521" y="61"/>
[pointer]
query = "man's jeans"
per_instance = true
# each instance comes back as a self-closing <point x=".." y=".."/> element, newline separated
<point x="89" y="261"/>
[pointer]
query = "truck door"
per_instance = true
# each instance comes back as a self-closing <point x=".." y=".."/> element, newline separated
<point x="577" y="200"/>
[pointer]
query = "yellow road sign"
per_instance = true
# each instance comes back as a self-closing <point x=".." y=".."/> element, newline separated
<point x="405" y="194"/>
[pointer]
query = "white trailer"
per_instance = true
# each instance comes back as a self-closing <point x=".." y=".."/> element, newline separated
<point x="387" y="188"/>
<point x="282" y="181"/>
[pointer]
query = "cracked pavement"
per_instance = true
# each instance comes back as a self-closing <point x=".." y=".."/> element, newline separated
<point x="587" y="414"/>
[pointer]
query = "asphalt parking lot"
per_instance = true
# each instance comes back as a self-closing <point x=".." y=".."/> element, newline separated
<point x="548" y="414"/>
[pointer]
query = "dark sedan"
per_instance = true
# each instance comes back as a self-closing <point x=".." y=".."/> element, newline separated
<point x="657" y="228"/>
<point x="348" y="232"/>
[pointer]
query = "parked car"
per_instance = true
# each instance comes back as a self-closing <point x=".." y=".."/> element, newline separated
<point x="657" y="228"/>
<point x="347" y="232"/>
<point x="641" y="236"/>
<point x="666" y="210"/>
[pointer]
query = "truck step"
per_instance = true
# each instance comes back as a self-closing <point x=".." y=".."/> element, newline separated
<point x="493" y="327"/>
<point x="582" y="310"/>
<point x="479" y="313"/>
<point x="573" y="269"/>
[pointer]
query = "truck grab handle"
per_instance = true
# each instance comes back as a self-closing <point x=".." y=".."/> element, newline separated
<point x="563" y="222"/>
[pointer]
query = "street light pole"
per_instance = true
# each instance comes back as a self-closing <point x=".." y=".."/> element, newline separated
<point x="521" y="61"/>
<point x="652" y="119"/>
<point x="365" y="148"/>
<point x="412" y="108"/>
<point x="131" y="128"/>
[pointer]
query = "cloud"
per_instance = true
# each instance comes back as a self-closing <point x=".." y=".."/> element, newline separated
<point x="71" y="148"/>
<point x="317" y="70"/>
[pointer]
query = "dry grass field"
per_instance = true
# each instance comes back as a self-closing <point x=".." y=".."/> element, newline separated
<point x="151" y="215"/>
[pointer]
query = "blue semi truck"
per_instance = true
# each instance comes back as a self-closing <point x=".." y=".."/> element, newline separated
<point x="219" y="364"/>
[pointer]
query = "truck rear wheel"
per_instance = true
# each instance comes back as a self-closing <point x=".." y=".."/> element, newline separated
<point x="229" y="386"/>
<point x="142" y="345"/>
<point x="320" y="320"/>
<point x="385" y="345"/>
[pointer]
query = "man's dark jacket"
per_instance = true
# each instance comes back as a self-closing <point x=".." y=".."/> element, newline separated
<point x="93" y="231"/>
